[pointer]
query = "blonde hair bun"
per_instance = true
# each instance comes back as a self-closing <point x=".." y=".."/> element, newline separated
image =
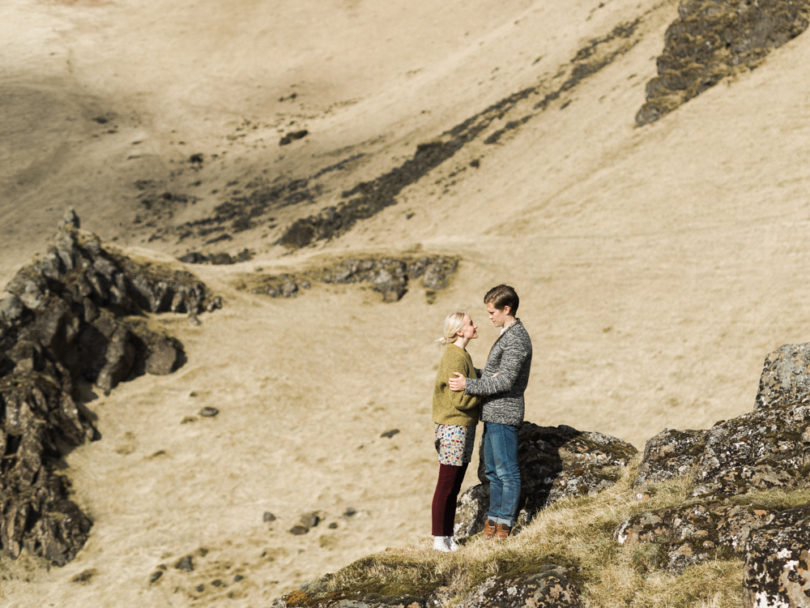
<point x="452" y="324"/>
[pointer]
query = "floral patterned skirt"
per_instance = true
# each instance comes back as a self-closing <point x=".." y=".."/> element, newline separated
<point x="454" y="443"/>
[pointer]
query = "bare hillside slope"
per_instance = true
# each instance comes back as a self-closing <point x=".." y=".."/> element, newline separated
<point x="656" y="265"/>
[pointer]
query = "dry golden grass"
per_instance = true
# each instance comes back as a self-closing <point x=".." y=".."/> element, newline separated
<point x="657" y="267"/>
<point x="578" y="533"/>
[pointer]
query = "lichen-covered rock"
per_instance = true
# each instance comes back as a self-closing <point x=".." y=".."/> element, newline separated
<point x="712" y="39"/>
<point x="777" y="562"/>
<point x="761" y="450"/>
<point x="670" y="454"/>
<point x="555" y="463"/>
<point x="471" y="510"/>
<point x="695" y="532"/>
<point x="550" y="587"/>
<point x="785" y="378"/>
<point x="63" y="323"/>
<point x="758" y="451"/>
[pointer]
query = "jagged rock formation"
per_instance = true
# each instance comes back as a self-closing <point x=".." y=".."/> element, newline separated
<point x="713" y="39"/>
<point x="555" y="463"/>
<point x="61" y="324"/>
<point x="731" y="466"/>
<point x="387" y="275"/>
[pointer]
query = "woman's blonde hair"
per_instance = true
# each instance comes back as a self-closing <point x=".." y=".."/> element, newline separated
<point x="452" y="324"/>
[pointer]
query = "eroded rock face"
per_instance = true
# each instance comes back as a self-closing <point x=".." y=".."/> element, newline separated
<point x="62" y="323"/>
<point x="713" y="39"/>
<point x="555" y="463"/>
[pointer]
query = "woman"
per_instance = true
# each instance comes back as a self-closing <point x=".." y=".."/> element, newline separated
<point x="455" y="415"/>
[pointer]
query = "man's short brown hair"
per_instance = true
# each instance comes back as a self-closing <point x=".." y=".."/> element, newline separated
<point x="502" y="296"/>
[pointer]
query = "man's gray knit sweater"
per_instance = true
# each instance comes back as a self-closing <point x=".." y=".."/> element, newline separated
<point x="511" y="359"/>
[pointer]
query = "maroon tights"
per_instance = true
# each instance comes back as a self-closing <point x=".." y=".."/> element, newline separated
<point x="444" y="498"/>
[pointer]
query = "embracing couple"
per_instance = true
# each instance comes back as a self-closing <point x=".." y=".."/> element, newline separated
<point x="463" y="394"/>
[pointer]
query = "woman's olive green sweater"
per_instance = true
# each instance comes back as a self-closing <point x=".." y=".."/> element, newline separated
<point x="451" y="407"/>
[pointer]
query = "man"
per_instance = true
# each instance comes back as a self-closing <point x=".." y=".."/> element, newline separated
<point x="502" y="384"/>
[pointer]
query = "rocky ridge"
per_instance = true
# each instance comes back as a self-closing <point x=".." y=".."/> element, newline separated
<point x="68" y="322"/>
<point x="387" y="275"/>
<point x="340" y="201"/>
<point x="708" y="41"/>
<point x="714" y="39"/>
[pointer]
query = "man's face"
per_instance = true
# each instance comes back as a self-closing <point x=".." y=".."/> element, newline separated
<point x="498" y="317"/>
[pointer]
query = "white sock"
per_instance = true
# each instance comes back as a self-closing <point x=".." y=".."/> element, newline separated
<point x="452" y="544"/>
<point x="440" y="543"/>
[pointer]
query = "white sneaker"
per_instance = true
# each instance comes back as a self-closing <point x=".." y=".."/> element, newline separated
<point x="440" y="543"/>
<point x="452" y="545"/>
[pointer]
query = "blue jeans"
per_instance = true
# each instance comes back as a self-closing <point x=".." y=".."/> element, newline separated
<point x="501" y="469"/>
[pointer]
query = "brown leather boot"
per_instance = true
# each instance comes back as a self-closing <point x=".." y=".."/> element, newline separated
<point x="502" y="531"/>
<point x="489" y="528"/>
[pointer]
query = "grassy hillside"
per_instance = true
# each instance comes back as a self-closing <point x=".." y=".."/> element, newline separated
<point x="656" y="265"/>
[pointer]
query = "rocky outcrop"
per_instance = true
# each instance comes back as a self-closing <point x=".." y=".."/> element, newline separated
<point x="221" y="258"/>
<point x="555" y="463"/>
<point x="388" y="276"/>
<point x="713" y="39"/>
<point x="730" y="467"/>
<point x="785" y="377"/>
<point x="62" y="323"/>
<point x="670" y="454"/>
